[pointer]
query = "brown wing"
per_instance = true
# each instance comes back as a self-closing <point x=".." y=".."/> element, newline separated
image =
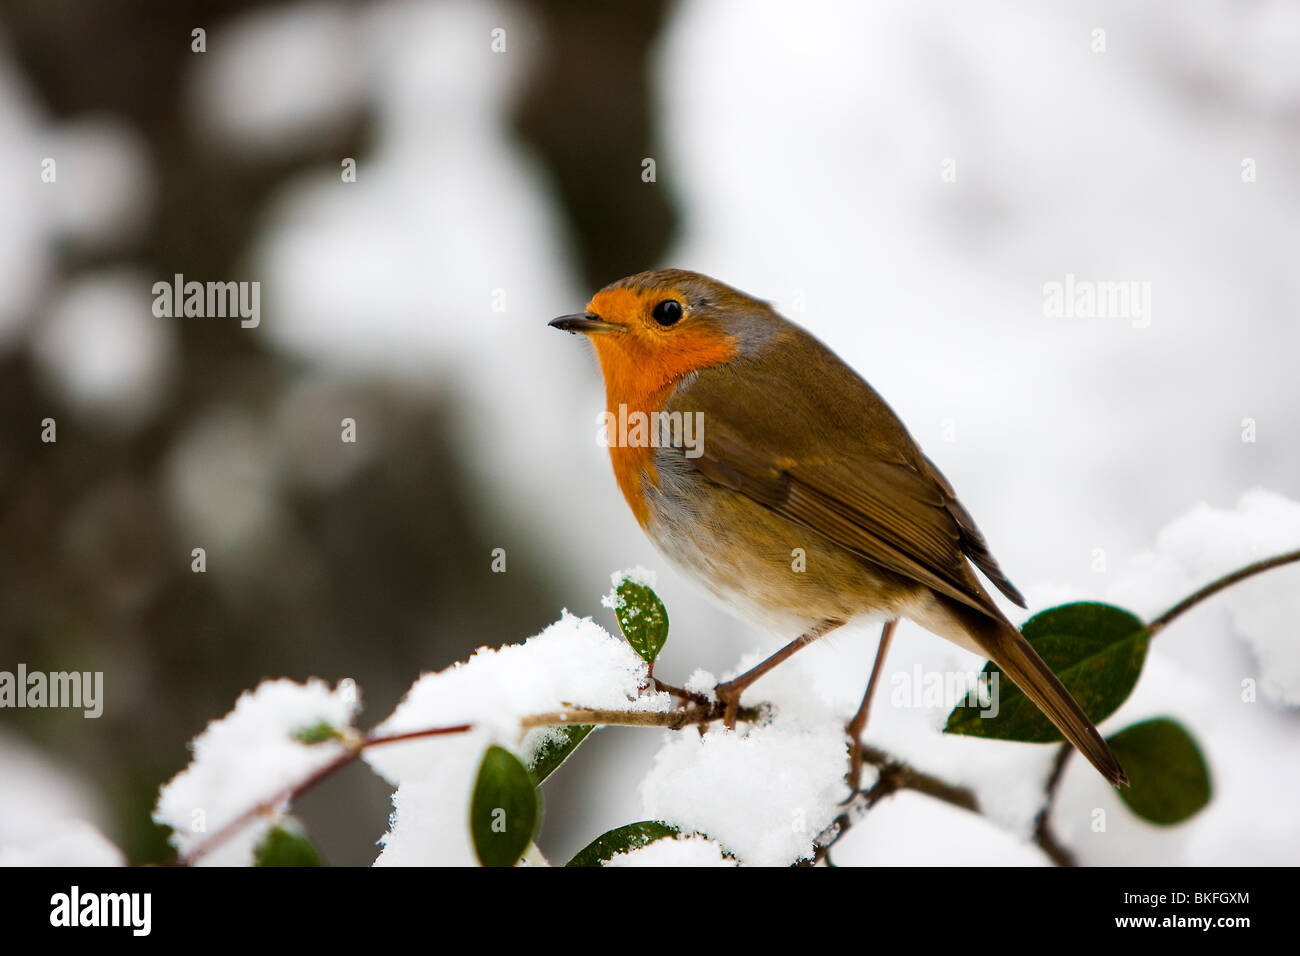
<point x="875" y="494"/>
<point x="972" y="541"/>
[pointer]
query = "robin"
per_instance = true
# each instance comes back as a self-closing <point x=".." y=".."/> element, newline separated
<point x="796" y="451"/>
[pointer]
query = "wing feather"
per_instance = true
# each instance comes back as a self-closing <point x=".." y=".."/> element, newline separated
<point x="876" y="495"/>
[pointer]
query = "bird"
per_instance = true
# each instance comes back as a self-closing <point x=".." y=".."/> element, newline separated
<point x="795" y="451"/>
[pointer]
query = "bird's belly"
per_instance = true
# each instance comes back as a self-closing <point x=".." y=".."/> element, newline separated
<point x="767" y="570"/>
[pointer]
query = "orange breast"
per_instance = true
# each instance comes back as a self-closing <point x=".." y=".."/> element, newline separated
<point x="640" y="373"/>
<point x="630" y="465"/>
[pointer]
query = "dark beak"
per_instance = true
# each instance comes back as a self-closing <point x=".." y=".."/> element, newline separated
<point x="584" y="322"/>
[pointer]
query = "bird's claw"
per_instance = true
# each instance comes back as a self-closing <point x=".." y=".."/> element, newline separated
<point x="854" y="778"/>
<point x="730" y="699"/>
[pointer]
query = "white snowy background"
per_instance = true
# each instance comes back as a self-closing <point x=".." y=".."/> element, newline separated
<point x="804" y="145"/>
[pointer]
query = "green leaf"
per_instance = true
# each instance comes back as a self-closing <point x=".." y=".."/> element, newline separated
<point x="504" y="811"/>
<point x="1169" y="779"/>
<point x="620" y="840"/>
<point x="643" y="619"/>
<point x="317" y="733"/>
<point x="286" y="845"/>
<point x="1097" y="651"/>
<point x="561" y="742"/>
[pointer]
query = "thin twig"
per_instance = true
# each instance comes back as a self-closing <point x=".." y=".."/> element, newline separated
<point x="895" y="775"/>
<point x="1214" y="587"/>
<point x="294" y="790"/>
<point x="680" y="693"/>
<point x="674" y="719"/>
<point x="1044" y="836"/>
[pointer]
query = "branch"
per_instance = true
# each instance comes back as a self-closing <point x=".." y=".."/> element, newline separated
<point x="895" y="775"/>
<point x="1214" y="587"/>
<point x="680" y="693"/>
<point x="293" y="791"/>
<point x="672" y="719"/>
<point x="1044" y="836"/>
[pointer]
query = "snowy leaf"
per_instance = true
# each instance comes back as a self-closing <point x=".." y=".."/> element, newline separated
<point x="621" y="840"/>
<point x="317" y="733"/>
<point x="286" y="845"/>
<point x="689" y="851"/>
<point x="1097" y="651"/>
<point x="642" y="618"/>
<point x="556" y="748"/>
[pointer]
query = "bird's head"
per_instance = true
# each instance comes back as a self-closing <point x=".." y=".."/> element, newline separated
<point x="654" y="328"/>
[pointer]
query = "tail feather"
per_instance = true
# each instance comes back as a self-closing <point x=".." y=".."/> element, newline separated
<point x="1007" y="648"/>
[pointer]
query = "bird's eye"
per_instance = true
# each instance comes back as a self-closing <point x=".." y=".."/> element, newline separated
<point x="667" y="312"/>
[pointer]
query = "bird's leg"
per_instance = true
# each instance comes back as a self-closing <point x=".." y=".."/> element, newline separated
<point x="859" y="722"/>
<point x="729" y="693"/>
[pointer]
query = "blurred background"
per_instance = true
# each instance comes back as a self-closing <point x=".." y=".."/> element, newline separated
<point x="903" y="178"/>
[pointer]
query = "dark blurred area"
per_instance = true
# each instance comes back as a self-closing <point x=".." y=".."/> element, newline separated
<point x="366" y="575"/>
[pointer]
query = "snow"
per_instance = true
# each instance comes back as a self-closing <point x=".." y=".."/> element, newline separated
<point x="638" y="575"/>
<point x="49" y="812"/>
<point x="572" y="663"/>
<point x="60" y="842"/>
<point x="248" y="757"/>
<point x="1264" y="611"/>
<point x="763" y="791"/>
<point x="701" y="682"/>
<point x="910" y="829"/>
<point x="686" y="851"/>
<point x="38" y="787"/>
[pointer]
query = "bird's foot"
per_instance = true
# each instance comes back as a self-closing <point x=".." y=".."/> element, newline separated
<point x="854" y="777"/>
<point x="729" y="694"/>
